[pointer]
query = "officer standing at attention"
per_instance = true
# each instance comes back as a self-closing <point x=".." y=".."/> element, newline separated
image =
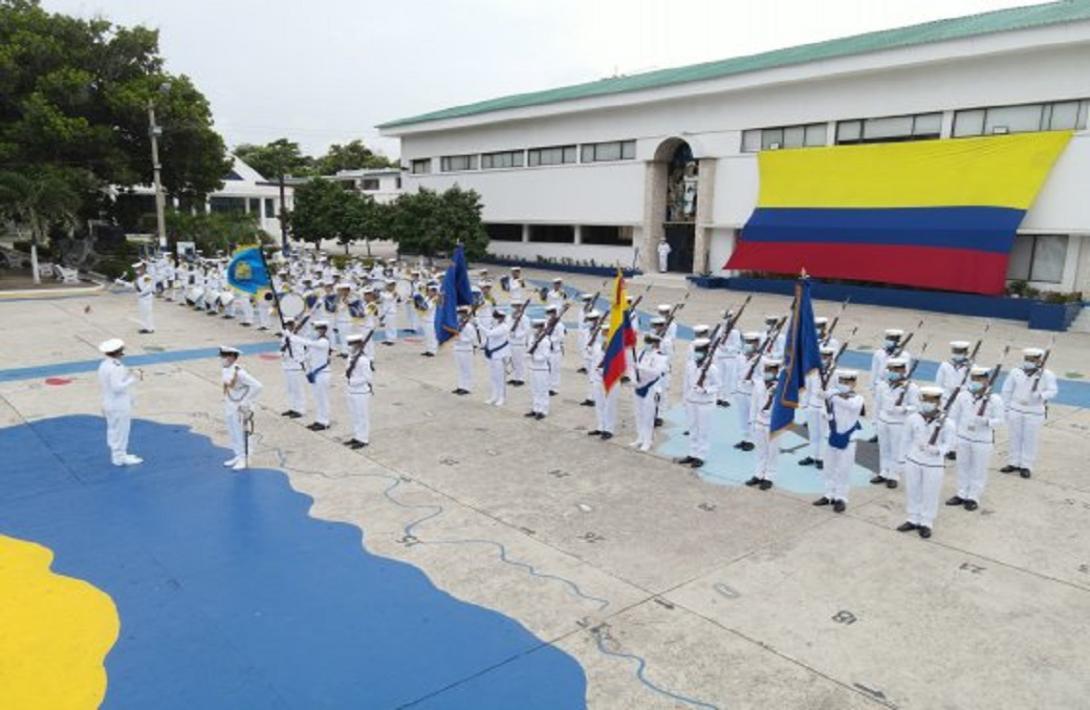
<point x="1026" y="394"/>
<point x="846" y="411"/>
<point x="319" y="351"/>
<point x="293" y="352"/>
<point x="469" y="337"/>
<point x="977" y="413"/>
<point x="699" y="397"/>
<point x="116" y="382"/>
<point x="497" y="350"/>
<point x="539" y="372"/>
<point x="760" y="412"/>
<point x="556" y="341"/>
<point x="605" y="403"/>
<point x="360" y="386"/>
<point x="951" y="373"/>
<point x="240" y="391"/>
<point x="924" y="470"/>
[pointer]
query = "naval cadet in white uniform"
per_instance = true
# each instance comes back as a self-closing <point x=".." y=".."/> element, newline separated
<point x="240" y="392"/>
<point x="116" y="383"/>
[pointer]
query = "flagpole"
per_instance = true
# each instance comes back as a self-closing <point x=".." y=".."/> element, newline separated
<point x="276" y="297"/>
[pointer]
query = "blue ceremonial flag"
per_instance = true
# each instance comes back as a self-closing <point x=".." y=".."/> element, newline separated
<point x="801" y="355"/>
<point x="247" y="271"/>
<point x="456" y="292"/>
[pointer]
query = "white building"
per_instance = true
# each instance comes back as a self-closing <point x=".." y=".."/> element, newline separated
<point x="244" y="190"/>
<point x="585" y="172"/>
<point x="383" y="184"/>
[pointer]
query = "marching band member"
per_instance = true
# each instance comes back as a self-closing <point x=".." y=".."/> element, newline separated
<point x="895" y="399"/>
<point x="1026" y="394"/>
<point x="116" y="383"/>
<point x="846" y="410"/>
<point x="557" y="296"/>
<point x="264" y="311"/>
<point x="319" y="352"/>
<point x="516" y="286"/>
<point x="520" y="333"/>
<point x="145" y="297"/>
<point x="427" y="319"/>
<point x="743" y="388"/>
<point x="556" y="342"/>
<point x="648" y="369"/>
<point x="388" y="311"/>
<point x="468" y="339"/>
<point x="927" y="437"/>
<point x="360" y="386"/>
<point x="699" y="400"/>
<point x="371" y="317"/>
<point x="293" y="354"/>
<point x="539" y="372"/>
<point x="342" y="318"/>
<point x="497" y="350"/>
<point x="977" y="413"/>
<point x="815" y="410"/>
<point x="412" y="315"/>
<point x="240" y="392"/>
<point x="605" y="403"/>
<point x="760" y="412"/>
<point x="245" y="309"/>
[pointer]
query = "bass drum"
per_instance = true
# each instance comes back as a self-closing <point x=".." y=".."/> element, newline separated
<point x="404" y="290"/>
<point x="226" y="299"/>
<point x="292" y="305"/>
<point x="194" y="295"/>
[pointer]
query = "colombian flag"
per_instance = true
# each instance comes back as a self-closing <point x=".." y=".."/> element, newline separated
<point x="939" y="214"/>
<point x="621" y="336"/>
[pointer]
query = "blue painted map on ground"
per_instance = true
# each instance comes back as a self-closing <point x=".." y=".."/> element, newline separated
<point x="231" y="596"/>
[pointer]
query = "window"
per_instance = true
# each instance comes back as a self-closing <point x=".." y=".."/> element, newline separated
<point x="270" y="208"/>
<point x="369" y="184"/>
<point x="553" y="233"/>
<point x="421" y="166"/>
<point x="504" y="232"/>
<point x="398" y="182"/>
<point x="608" y="236"/>
<point x="1038" y="257"/>
<point x="232" y="175"/>
<point x="551" y="156"/>
<point x="505" y="159"/>
<point x="801" y="136"/>
<point x="255" y="205"/>
<point x="997" y="120"/>
<point x="227" y="204"/>
<point x="454" y="163"/>
<point x="889" y="129"/>
<point x="613" y="150"/>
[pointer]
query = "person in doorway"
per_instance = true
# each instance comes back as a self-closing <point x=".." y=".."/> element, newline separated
<point x="664" y="255"/>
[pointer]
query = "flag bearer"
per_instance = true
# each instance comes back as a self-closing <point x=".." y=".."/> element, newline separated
<point x="588" y="326"/>
<point x="926" y="451"/>
<point x="846" y="411"/>
<point x="360" y="387"/>
<point x="468" y="339"/>
<point x="977" y="413"/>
<point x="1026" y="394"/>
<point x="760" y="412"/>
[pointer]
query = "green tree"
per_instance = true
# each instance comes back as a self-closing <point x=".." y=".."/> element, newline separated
<point x="215" y="231"/>
<point x="428" y="222"/>
<point x="322" y="211"/>
<point x="75" y="94"/>
<point x="351" y="156"/>
<point x="41" y="199"/>
<point x="276" y="161"/>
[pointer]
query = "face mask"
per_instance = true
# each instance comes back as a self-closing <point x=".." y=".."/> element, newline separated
<point x="960" y="359"/>
<point x="226" y="362"/>
<point x="699" y="357"/>
<point x="976" y="387"/>
<point x="749" y="347"/>
<point x="769" y="376"/>
<point x="842" y="388"/>
<point x="890" y="344"/>
<point x="893" y="376"/>
<point x="927" y="407"/>
<point x="1029" y="366"/>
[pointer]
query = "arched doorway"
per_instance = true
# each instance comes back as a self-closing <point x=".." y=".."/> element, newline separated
<point x="673" y="177"/>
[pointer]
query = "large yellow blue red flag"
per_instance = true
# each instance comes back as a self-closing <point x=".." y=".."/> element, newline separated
<point x="621" y="336"/>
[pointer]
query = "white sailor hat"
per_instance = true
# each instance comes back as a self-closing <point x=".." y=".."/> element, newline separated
<point x="328" y="282"/>
<point x="289" y="319"/>
<point x="847" y="375"/>
<point x="307" y="279"/>
<point x="321" y="324"/>
<point x="474" y="289"/>
<point x="485" y="283"/>
<point x="354" y="338"/>
<point x="593" y="315"/>
<point x="558" y="280"/>
<point x="368" y="289"/>
<point x="585" y="296"/>
<point x="517" y="301"/>
<point x="700" y="328"/>
<point x="228" y="350"/>
<point x="463" y="309"/>
<point x="894" y="332"/>
<point x="980" y="371"/>
<point x="538" y="323"/>
<point x="343" y="285"/>
<point x="658" y="321"/>
<point x="931" y="392"/>
<point x="821" y="320"/>
<point x="414" y="272"/>
<point x="433" y="285"/>
<point x="1032" y="353"/>
<point x="652" y="336"/>
<point x="391" y="282"/>
<point x="499" y="313"/>
<point x="769" y="318"/>
<point x="772" y="362"/>
<point x="701" y="343"/>
<point x="552" y="308"/>
<point x="959" y="344"/>
<point x="751" y="335"/>
<point x="665" y="307"/>
<point x="827" y="350"/>
<point x="897" y="362"/>
<point x="516" y="268"/>
<point x="111" y="346"/>
<point x="138" y="265"/>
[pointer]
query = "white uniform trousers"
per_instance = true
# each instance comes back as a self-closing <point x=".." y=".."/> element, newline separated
<point x="728" y="368"/>
<point x="555" y="360"/>
<point x="699" y="416"/>
<point x="923" y="485"/>
<point x="1024" y="429"/>
<point x="518" y="362"/>
<point x="391" y="328"/>
<point x="741" y="410"/>
<point x="605" y="407"/>
<point x="645" y="419"/>
<point x="972" y="467"/>
<point x="359" y="408"/>
<point x="144" y="305"/>
<point x="118" y="423"/>
<point x="891" y="445"/>
<point x="320" y="389"/>
<point x="463" y="359"/>
<point x="497" y="379"/>
<point x="295" y="381"/>
<point x="539" y="390"/>
<point x="236" y="430"/>
<point x="838" y="471"/>
<point x="817" y="429"/>
<point x="431" y="343"/>
<point x="264" y="314"/>
<point x="341" y="330"/>
<point x="768" y="452"/>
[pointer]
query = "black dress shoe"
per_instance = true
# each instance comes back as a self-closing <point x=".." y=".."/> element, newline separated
<point x="287" y="413"/>
<point x="659" y="421"/>
<point x="606" y="436"/>
<point x="314" y="426"/>
<point x="625" y="379"/>
<point x="595" y="432"/>
<point x="808" y="461"/>
<point x="587" y="403"/>
<point x="359" y="444"/>
<point x="722" y="403"/>
<point x="748" y="446"/>
<point x="925" y="532"/>
<point x="951" y="456"/>
<point x="519" y="383"/>
<point x="144" y="331"/>
<point x="424" y="354"/>
<point x="873" y="439"/>
<point x="739" y="444"/>
<point x="1008" y="469"/>
<point x="582" y="370"/>
<point x="530" y="414"/>
<point x="956" y="500"/>
<point x="878" y="479"/>
<point x="539" y="416"/>
<point x="696" y="463"/>
<point x="839" y="506"/>
<point x="685" y="460"/>
<point x="1024" y="473"/>
<point x="765" y="484"/>
<point x="820" y="465"/>
<point x="821" y="501"/>
<point x="753" y="481"/>
<point x="553" y="393"/>
<point x="971" y="505"/>
<point x="429" y="354"/>
<point x="294" y="415"/>
<point x="350" y="442"/>
<point x="906" y="527"/>
<point x="890" y="483"/>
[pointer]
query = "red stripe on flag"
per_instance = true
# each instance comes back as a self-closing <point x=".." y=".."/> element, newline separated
<point x="928" y="267"/>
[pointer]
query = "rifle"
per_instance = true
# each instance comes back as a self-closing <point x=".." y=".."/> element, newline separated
<point x="673" y="312"/>
<point x="904" y="343"/>
<point x="949" y="405"/>
<point x="356" y="357"/>
<point x="1044" y="361"/>
<point x="836" y="321"/>
<point x="987" y="393"/>
<point x="772" y="335"/>
<point x="908" y="377"/>
<point x="518" y="315"/>
<point x="548" y="329"/>
<point x="594" y="333"/>
<point x="836" y="358"/>
<point x="589" y="306"/>
<point x="720" y="338"/>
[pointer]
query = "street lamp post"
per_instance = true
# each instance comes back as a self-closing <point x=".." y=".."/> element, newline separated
<point x="154" y="131"/>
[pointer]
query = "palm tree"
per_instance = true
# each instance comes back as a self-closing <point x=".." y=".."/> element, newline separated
<point x="39" y="198"/>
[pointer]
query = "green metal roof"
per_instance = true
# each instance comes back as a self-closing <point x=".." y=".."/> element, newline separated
<point x="937" y="31"/>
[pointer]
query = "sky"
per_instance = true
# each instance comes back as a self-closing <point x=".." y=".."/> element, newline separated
<point x="328" y="71"/>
